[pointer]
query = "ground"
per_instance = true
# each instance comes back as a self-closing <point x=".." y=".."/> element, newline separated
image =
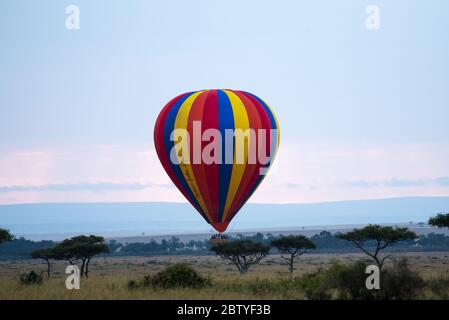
<point x="109" y="276"/>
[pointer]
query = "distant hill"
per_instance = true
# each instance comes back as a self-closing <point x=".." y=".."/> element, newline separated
<point x="59" y="220"/>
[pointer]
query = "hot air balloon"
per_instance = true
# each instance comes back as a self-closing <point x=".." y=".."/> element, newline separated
<point x="216" y="146"/>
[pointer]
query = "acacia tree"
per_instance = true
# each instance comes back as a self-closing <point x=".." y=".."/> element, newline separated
<point x="82" y="248"/>
<point x="87" y="247"/>
<point x="5" y="235"/>
<point x="441" y="220"/>
<point x="291" y="247"/>
<point x="45" y="254"/>
<point x="381" y="236"/>
<point x="65" y="251"/>
<point x="242" y="253"/>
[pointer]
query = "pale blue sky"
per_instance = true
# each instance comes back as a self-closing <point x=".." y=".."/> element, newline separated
<point x="330" y="81"/>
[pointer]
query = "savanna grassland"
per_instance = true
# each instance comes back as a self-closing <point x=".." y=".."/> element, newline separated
<point x="109" y="277"/>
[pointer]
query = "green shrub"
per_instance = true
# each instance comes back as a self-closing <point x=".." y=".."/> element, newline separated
<point x="179" y="275"/>
<point x="348" y="282"/>
<point x="314" y="285"/>
<point x="133" y="284"/>
<point x="30" y="278"/>
<point x="396" y="283"/>
<point x="400" y="283"/>
<point x="439" y="287"/>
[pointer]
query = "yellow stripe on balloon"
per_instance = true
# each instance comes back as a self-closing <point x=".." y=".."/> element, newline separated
<point x="240" y="122"/>
<point x="186" y="168"/>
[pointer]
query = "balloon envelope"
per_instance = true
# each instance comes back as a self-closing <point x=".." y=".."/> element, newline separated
<point x="216" y="146"/>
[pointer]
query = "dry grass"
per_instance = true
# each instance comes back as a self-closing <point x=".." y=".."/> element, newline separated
<point x="110" y="276"/>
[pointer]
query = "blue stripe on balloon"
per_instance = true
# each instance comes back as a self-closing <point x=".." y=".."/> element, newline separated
<point x="267" y="109"/>
<point x="225" y="121"/>
<point x="168" y="144"/>
<point x="274" y="140"/>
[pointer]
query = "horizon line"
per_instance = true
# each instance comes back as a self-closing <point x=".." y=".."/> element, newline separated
<point x="249" y="203"/>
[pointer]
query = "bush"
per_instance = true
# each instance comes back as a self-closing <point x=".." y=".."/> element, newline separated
<point x="400" y="283"/>
<point x="348" y="282"/>
<point x="439" y="287"/>
<point x="315" y="286"/>
<point x="133" y="284"/>
<point x="30" y="278"/>
<point x="179" y="275"/>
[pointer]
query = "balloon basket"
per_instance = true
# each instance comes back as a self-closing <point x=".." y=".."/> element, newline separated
<point x="218" y="239"/>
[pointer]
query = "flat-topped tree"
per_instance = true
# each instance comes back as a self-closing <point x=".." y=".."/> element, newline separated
<point x="86" y="247"/>
<point x="64" y="251"/>
<point x="80" y="248"/>
<point x="381" y="236"/>
<point x="242" y="253"/>
<point x="291" y="247"/>
<point x="441" y="220"/>
<point x="45" y="254"/>
<point x="5" y="235"/>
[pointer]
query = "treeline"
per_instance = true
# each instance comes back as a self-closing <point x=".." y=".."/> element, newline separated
<point x="21" y="248"/>
<point x="325" y="242"/>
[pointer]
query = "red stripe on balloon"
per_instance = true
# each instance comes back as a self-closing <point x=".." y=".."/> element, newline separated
<point x="210" y="121"/>
<point x="196" y="114"/>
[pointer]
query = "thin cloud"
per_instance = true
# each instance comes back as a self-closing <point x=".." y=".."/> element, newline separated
<point x="82" y="186"/>
<point x="359" y="184"/>
<point x="409" y="183"/>
<point x="397" y="183"/>
<point x="290" y="185"/>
